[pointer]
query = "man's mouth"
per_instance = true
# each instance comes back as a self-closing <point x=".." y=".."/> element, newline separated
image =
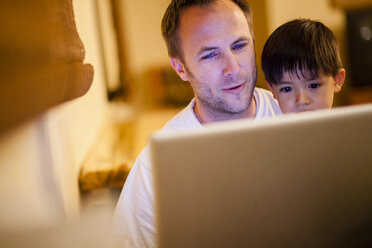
<point x="235" y="89"/>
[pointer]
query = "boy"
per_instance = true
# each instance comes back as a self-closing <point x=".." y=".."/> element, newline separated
<point x="302" y="66"/>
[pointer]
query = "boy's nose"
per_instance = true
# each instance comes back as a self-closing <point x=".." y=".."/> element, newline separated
<point x="232" y="66"/>
<point x="302" y="98"/>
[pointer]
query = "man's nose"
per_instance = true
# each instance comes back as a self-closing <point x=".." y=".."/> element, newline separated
<point x="302" y="98"/>
<point x="232" y="65"/>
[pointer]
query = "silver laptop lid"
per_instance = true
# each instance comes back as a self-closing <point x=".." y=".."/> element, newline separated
<point x="302" y="180"/>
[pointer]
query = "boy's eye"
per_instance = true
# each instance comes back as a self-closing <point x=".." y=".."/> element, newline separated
<point x="314" y="86"/>
<point x="285" y="89"/>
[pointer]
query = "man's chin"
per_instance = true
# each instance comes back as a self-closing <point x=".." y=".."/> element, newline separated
<point x="239" y="108"/>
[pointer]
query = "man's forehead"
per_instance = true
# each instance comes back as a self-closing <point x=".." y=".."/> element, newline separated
<point x="213" y="11"/>
<point x="206" y="26"/>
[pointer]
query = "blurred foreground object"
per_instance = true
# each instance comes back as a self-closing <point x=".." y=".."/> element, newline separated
<point x="41" y="62"/>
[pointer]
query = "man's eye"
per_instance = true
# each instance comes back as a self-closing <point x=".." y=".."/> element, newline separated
<point x="239" y="46"/>
<point x="314" y="86"/>
<point x="208" y="56"/>
<point x="285" y="89"/>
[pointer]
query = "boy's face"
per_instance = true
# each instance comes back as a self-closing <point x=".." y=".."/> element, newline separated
<point x="298" y="94"/>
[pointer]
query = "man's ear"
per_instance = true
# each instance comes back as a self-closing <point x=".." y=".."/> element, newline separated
<point x="179" y="68"/>
<point x="339" y="80"/>
<point x="270" y="88"/>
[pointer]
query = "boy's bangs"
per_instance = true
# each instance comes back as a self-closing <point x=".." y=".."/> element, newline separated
<point x="303" y="71"/>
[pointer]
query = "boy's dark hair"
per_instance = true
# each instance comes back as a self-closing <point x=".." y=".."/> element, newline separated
<point x="300" y="44"/>
<point x="170" y="22"/>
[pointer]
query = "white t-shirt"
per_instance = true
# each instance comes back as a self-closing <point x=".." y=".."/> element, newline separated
<point x="134" y="214"/>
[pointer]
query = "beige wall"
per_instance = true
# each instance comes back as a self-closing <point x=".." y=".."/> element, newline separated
<point x="75" y="126"/>
<point x="280" y="11"/>
<point x="144" y="46"/>
<point x="40" y="160"/>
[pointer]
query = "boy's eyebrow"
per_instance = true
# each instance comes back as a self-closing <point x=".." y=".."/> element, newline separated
<point x="314" y="78"/>
<point x="284" y="82"/>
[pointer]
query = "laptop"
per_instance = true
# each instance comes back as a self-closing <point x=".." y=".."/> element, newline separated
<point x="298" y="180"/>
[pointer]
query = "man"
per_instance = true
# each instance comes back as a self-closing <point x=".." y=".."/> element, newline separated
<point x="211" y="45"/>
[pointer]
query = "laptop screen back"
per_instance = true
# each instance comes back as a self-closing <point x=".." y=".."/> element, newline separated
<point x="302" y="180"/>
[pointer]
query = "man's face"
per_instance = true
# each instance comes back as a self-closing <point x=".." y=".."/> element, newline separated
<point x="219" y="59"/>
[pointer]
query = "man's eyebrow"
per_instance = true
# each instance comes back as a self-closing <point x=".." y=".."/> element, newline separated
<point x="206" y="49"/>
<point x="243" y="38"/>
